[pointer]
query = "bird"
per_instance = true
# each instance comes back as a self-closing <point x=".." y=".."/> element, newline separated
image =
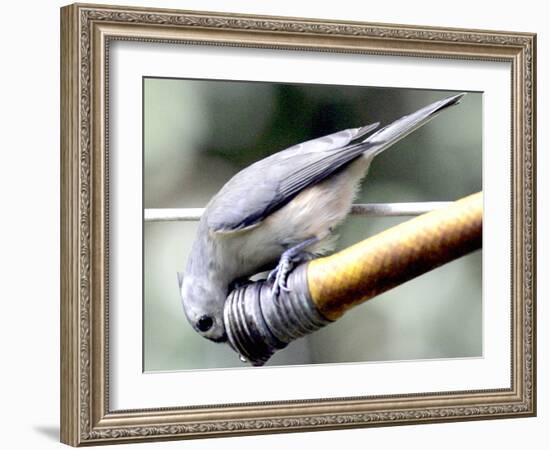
<point x="281" y="211"/>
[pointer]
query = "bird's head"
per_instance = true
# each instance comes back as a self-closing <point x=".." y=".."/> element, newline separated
<point x="203" y="306"/>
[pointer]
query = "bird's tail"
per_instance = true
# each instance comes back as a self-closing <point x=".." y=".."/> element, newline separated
<point x="395" y="131"/>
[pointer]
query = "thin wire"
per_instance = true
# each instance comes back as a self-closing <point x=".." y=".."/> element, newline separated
<point x="365" y="210"/>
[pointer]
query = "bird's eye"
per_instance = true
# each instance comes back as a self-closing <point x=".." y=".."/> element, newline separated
<point x="204" y="323"/>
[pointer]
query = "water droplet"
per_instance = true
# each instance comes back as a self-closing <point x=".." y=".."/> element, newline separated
<point x="243" y="359"/>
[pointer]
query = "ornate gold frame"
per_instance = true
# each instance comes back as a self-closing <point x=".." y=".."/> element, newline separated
<point x="86" y="31"/>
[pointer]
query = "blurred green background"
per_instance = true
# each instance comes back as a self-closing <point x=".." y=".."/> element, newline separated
<point x="197" y="134"/>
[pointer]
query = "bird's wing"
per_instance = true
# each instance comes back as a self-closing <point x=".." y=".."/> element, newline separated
<point x="330" y="142"/>
<point x="267" y="185"/>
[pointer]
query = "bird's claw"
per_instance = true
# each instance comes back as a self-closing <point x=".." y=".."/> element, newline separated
<point x="289" y="260"/>
<point x="279" y="276"/>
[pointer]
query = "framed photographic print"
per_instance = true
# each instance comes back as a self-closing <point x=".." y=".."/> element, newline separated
<point x="235" y="188"/>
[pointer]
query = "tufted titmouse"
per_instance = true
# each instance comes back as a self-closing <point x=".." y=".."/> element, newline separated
<point x="281" y="208"/>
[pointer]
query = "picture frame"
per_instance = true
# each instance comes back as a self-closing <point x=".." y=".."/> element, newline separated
<point x="87" y="33"/>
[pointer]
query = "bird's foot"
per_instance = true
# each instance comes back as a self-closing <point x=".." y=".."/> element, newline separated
<point x="289" y="260"/>
<point x="279" y="275"/>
